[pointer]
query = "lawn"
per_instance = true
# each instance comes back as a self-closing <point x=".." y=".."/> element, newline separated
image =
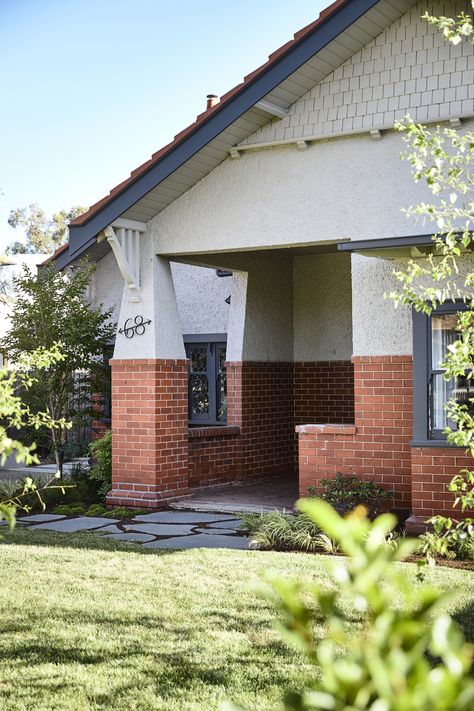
<point x="91" y="624"/>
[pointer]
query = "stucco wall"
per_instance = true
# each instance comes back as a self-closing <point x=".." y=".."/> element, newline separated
<point x="347" y="188"/>
<point x="200" y="295"/>
<point x="378" y="327"/>
<point x="261" y="318"/>
<point x="409" y="67"/>
<point x="322" y="307"/>
<point x="201" y="299"/>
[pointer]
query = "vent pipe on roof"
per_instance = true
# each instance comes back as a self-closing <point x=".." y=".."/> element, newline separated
<point x="212" y="100"/>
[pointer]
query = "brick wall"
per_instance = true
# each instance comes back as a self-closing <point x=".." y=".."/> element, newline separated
<point x="260" y="402"/>
<point x="214" y="456"/>
<point x="408" y="68"/>
<point x="324" y="392"/>
<point x="376" y="446"/>
<point x="149" y="431"/>
<point x="432" y="470"/>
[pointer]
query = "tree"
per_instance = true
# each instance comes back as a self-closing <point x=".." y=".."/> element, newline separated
<point x="43" y="234"/>
<point x="50" y="308"/>
<point x="14" y="413"/>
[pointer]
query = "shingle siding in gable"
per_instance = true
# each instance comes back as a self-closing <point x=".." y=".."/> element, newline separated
<point x="409" y="68"/>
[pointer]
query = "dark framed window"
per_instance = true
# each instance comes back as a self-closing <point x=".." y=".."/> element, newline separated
<point x="207" y="385"/>
<point x="432" y="336"/>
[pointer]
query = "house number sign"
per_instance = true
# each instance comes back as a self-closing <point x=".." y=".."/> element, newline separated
<point x="134" y="327"/>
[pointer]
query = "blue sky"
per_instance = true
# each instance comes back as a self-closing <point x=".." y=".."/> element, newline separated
<point x="91" y="88"/>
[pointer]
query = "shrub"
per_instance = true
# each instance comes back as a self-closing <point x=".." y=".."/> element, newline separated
<point x="77" y="507"/>
<point x="410" y="653"/>
<point x="453" y="538"/>
<point x="286" y="532"/>
<point x="96" y="510"/>
<point x="346" y="492"/>
<point x="101" y="471"/>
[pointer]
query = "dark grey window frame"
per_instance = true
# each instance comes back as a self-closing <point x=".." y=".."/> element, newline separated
<point x="422" y="434"/>
<point x="211" y="340"/>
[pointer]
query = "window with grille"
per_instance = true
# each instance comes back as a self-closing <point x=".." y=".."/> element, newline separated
<point x="207" y="388"/>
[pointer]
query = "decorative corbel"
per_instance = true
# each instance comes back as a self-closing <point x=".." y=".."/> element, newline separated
<point x="124" y="239"/>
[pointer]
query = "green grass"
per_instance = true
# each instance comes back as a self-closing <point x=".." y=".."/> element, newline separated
<point x="91" y="624"/>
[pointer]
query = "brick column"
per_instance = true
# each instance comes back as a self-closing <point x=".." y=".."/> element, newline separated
<point x="149" y="431"/>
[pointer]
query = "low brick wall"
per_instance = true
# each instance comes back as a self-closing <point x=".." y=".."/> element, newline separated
<point x="214" y="456"/>
<point x="376" y="447"/>
<point x="432" y="470"/>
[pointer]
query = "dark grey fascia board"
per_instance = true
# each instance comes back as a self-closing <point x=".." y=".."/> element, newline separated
<point x="244" y="99"/>
<point x="388" y="243"/>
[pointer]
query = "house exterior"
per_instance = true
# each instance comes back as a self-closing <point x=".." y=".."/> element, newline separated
<point x="293" y="182"/>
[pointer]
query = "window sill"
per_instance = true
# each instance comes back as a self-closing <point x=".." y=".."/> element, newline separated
<point x="219" y="431"/>
<point x="434" y="443"/>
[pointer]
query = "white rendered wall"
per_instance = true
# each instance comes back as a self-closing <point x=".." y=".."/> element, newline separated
<point x="261" y="316"/>
<point x="322" y="309"/>
<point x="347" y="188"/>
<point x="378" y="327"/>
<point x="201" y="299"/>
<point x="200" y="295"/>
<point x="408" y="68"/>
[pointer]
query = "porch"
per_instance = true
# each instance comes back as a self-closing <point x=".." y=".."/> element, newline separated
<point x="289" y="342"/>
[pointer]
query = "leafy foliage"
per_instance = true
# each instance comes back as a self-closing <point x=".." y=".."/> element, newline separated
<point x="101" y="471"/>
<point x="15" y="415"/>
<point x="43" y="234"/>
<point x="403" y="658"/>
<point x="51" y="309"/>
<point x="286" y="532"/>
<point x="453" y="538"/>
<point x="346" y="492"/>
<point x="454" y="29"/>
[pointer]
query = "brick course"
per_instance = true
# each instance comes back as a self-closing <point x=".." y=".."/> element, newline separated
<point x="214" y="456"/>
<point x="149" y="431"/>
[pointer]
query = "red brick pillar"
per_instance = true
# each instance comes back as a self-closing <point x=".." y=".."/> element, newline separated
<point x="149" y="431"/>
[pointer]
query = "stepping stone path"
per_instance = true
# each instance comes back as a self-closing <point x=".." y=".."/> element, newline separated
<point x="169" y="530"/>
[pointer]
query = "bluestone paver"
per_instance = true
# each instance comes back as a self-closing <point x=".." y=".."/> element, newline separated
<point x="234" y="523"/>
<point x="157" y="529"/>
<point x="40" y="518"/>
<point x="182" y="517"/>
<point x="130" y="536"/>
<point x="111" y="529"/>
<point x="200" y="540"/>
<point x="71" y="525"/>
<point x="216" y="531"/>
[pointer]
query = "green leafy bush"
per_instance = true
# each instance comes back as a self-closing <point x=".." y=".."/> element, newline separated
<point x="96" y="510"/>
<point x="286" y="532"/>
<point x="346" y="492"/>
<point x="453" y="538"/>
<point x="122" y="512"/>
<point x="409" y="655"/>
<point x="101" y="471"/>
<point x="73" y="509"/>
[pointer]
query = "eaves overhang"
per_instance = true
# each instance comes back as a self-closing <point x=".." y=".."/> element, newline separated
<point x="391" y="247"/>
<point x="335" y="21"/>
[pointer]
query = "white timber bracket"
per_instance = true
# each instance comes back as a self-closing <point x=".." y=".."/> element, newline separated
<point x="124" y="239"/>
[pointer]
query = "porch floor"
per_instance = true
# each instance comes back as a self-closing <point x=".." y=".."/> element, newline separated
<point x="276" y="493"/>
